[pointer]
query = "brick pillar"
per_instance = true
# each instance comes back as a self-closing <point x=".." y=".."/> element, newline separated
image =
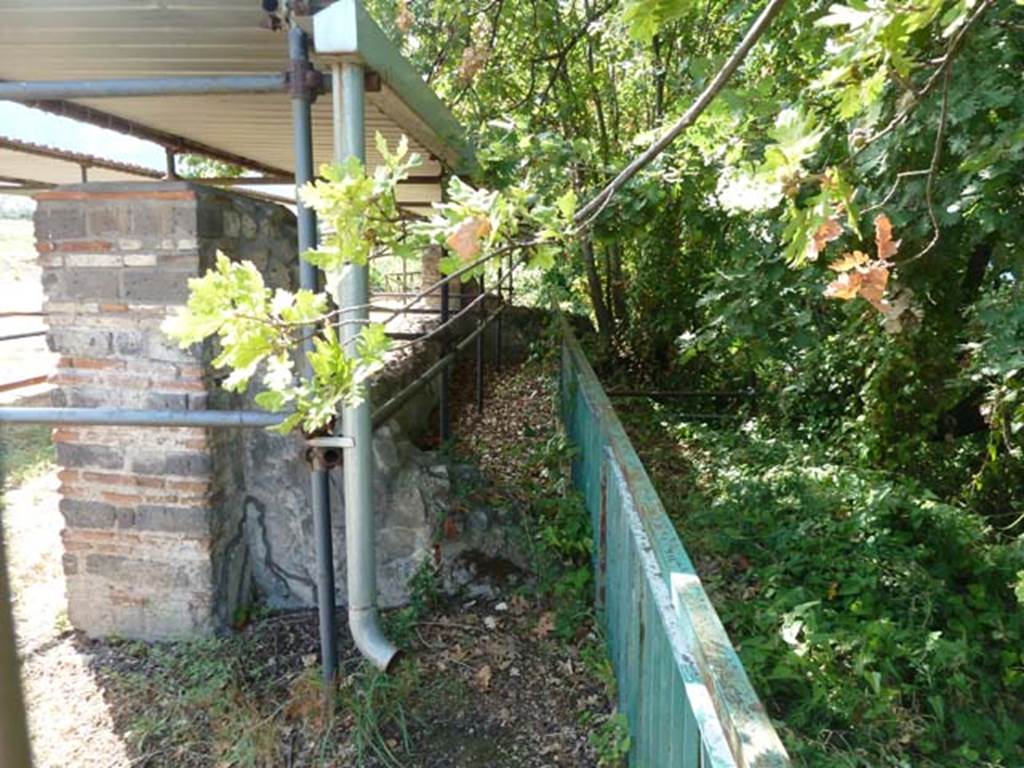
<point x="153" y="542"/>
<point x="430" y="273"/>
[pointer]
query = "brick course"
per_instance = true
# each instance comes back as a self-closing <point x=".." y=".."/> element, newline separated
<point x="150" y="537"/>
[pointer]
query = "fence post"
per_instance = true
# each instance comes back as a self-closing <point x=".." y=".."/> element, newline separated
<point x="482" y="313"/>
<point x="497" y="330"/>
<point x="446" y="372"/>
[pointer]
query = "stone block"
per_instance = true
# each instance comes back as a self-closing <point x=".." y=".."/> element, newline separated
<point x="190" y="521"/>
<point x="151" y="286"/>
<point x="92" y="456"/>
<point x="140" y="259"/>
<point x="210" y="219"/>
<point x="128" y="343"/>
<point x="232" y="223"/>
<point x="87" y="514"/>
<point x="162" y="349"/>
<point x="184" y="221"/>
<point x="166" y="401"/>
<point x="93" y="260"/>
<point x="108" y="218"/>
<point x="136" y="571"/>
<point x="80" y="343"/>
<point x="88" y="284"/>
<point x="184" y="464"/>
<point x="60" y="222"/>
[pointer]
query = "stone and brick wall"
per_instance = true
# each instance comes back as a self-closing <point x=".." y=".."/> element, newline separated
<point x="153" y="546"/>
<point x="169" y="530"/>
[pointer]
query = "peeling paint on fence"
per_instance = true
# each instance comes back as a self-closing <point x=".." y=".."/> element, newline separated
<point x="681" y="685"/>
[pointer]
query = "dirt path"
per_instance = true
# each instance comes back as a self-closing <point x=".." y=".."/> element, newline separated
<point x="485" y="682"/>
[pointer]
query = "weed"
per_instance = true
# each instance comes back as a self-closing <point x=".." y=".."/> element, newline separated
<point x="377" y="704"/>
<point x="424" y="594"/>
<point x="61" y="622"/>
<point x="26" y="452"/>
<point x="611" y="741"/>
<point x="594" y="655"/>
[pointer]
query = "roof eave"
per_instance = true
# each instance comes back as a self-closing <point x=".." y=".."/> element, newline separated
<point x="344" y="30"/>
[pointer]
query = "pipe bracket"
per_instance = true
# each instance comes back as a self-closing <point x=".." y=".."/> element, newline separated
<point x="304" y="80"/>
<point x="325" y="452"/>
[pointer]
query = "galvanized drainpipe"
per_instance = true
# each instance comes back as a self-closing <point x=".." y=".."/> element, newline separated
<point x="302" y="133"/>
<point x="360" y="525"/>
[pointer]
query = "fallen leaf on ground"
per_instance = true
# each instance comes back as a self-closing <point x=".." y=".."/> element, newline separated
<point x="483" y="677"/>
<point x="545" y="625"/>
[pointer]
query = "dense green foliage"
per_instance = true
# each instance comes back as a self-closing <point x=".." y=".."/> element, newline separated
<point x="873" y="617"/>
<point x="841" y="232"/>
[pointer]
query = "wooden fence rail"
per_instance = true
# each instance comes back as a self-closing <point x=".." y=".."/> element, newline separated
<point x="680" y="683"/>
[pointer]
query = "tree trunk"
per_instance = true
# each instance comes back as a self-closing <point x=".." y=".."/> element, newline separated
<point x="617" y="285"/>
<point x="605" y="322"/>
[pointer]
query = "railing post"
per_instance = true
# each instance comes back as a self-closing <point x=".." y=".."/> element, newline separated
<point x="497" y="331"/>
<point x="482" y="313"/>
<point x="511" y="287"/>
<point x="446" y="372"/>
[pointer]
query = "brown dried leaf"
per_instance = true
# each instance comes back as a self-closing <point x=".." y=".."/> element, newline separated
<point x="844" y="287"/>
<point x="848" y="261"/>
<point x="467" y="239"/>
<point x="404" y="18"/>
<point x="872" y="286"/>
<point x="545" y="625"/>
<point x="482" y="678"/>
<point x="887" y="247"/>
<point x="826" y="233"/>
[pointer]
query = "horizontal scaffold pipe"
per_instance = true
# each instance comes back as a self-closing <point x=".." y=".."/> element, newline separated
<point x="122" y="417"/>
<point x="142" y="86"/>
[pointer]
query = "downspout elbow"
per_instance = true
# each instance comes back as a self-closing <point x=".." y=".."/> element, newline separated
<point x="364" y="623"/>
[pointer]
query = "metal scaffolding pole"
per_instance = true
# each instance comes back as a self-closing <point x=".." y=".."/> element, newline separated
<point x="142" y="86"/>
<point x="360" y="538"/>
<point x="124" y="417"/>
<point x="302" y="134"/>
<point x="14" y="744"/>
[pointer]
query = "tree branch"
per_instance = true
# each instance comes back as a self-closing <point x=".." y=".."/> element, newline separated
<point x="588" y="213"/>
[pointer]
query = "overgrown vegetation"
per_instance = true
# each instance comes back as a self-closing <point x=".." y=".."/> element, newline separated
<point x="25" y="452"/>
<point x="876" y="619"/>
<point x="839" y="235"/>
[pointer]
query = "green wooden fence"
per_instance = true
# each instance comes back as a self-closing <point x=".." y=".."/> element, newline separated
<point x="681" y="685"/>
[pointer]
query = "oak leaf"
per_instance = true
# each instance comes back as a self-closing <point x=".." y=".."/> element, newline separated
<point x="844" y="287"/>
<point x="887" y="247"/>
<point x="848" y="261"/>
<point x="874" y="278"/>
<point x="825" y="234"/>
<point x="467" y="239"/>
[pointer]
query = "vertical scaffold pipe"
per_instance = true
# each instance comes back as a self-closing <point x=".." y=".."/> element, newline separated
<point x="14" y="744"/>
<point x="360" y="538"/>
<point x="298" y="49"/>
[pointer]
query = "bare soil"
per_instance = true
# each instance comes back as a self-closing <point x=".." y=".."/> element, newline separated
<point x="482" y="682"/>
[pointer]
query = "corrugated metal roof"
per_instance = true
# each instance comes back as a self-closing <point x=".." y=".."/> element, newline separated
<point x="36" y="164"/>
<point x="105" y="39"/>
